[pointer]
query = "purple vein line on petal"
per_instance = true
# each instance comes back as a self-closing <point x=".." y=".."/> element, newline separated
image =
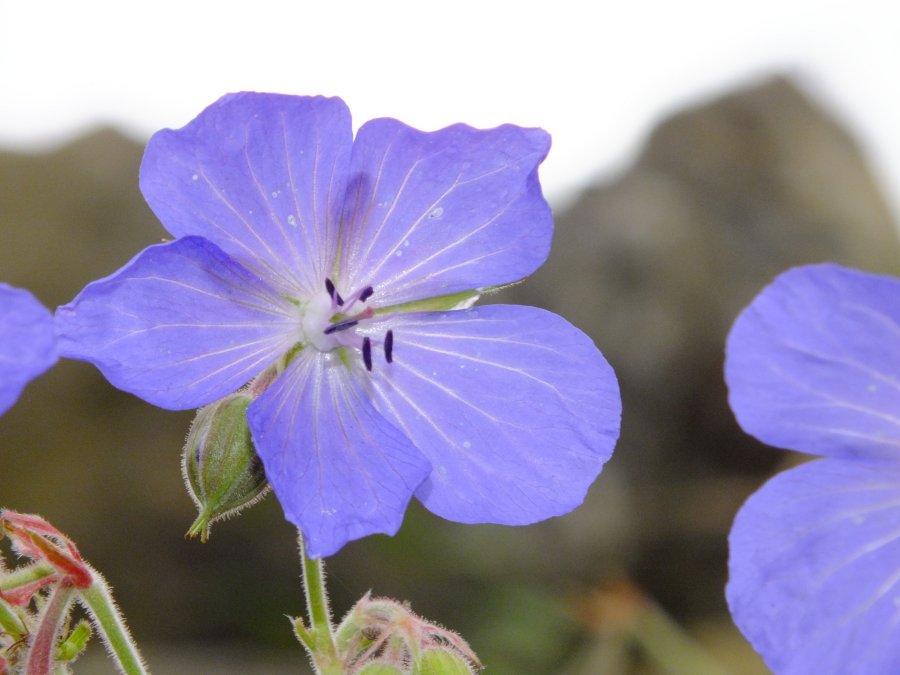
<point x="493" y="364"/>
<point x="849" y="433"/>
<point x="160" y="326"/>
<point x="359" y="401"/>
<point x="416" y="222"/>
<point x="253" y="255"/>
<point x="892" y="581"/>
<point x="292" y="387"/>
<point x="277" y="221"/>
<point x="354" y="260"/>
<point x="394" y="290"/>
<point x="267" y="302"/>
<point x="850" y="363"/>
<point x="480" y="338"/>
<point x="334" y="214"/>
<point x="816" y="637"/>
<point x="397" y="418"/>
<point x="270" y="345"/>
<point x="811" y="529"/>
<point x="264" y="354"/>
<point x="832" y="399"/>
<point x="412" y="404"/>
<point x="288" y="271"/>
<point x="336" y="392"/>
<point x="875" y="314"/>
<point x="317" y="376"/>
<point x="311" y="247"/>
<point x="866" y="550"/>
<point x="452" y="394"/>
<point x="315" y="196"/>
<point x="441" y="251"/>
<point x="269" y="308"/>
<point x="469" y="454"/>
<point x="372" y="270"/>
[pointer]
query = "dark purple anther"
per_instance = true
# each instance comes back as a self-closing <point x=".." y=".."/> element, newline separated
<point x="366" y="293"/>
<point x="340" y="325"/>
<point x="367" y="353"/>
<point x="332" y="291"/>
<point x="389" y="346"/>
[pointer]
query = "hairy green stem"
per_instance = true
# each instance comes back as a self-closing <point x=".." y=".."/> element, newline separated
<point x="110" y="624"/>
<point x="319" y="635"/>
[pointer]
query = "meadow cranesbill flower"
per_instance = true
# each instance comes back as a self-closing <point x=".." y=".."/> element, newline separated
<point x="336" y="276"/>
<point x="27" y="345"/>
<point x="813" y="365"/>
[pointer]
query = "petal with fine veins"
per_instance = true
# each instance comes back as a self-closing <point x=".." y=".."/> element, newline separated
<point x="27" y="347"/>
<point x="429" y="214"/>
<point x="813" y="364"/>
<point x="338" y="468"/>
<point x="814" y="575"/>
<point x="516" y="409"/>
<point x="181" y="325"/>
<point x="263" y="176"/>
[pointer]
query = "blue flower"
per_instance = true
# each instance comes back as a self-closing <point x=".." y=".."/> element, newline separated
<point x="27" y="345"/>
<point x="813" y="365"/>
<point x="337" y="277"/>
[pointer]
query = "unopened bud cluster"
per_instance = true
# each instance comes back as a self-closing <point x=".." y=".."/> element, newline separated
<point x="380" y="636"/>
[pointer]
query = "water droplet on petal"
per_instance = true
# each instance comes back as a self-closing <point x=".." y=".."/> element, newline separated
<point x="467" y="444"/>
<point x="195" y="177"/>
<point x="437" y="212"/>
<point x="398" y="253"/>
<point x="292" y="221"/>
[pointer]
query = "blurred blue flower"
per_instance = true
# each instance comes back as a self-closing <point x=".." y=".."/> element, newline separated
<point x="813" y="364"/>
<point x="337" y="276"/>
<point x="27" y="345"/>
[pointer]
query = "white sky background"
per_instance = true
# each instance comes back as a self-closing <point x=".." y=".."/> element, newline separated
<point x="596" y="75"/>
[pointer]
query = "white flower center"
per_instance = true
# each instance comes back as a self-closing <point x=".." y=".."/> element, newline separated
<point x="316" y="318"/>
<point x="328" y="321"/>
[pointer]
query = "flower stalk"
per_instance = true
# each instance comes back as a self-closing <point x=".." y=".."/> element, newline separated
<point x="110" y="624"/>
<point x="318" y="636"/>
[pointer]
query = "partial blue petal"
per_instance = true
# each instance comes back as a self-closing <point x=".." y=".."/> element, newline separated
<point x="340" y="470"/>
<point x="815" y="569"/>
<point x="813" y="363"/>
<point x="263" y="176"/>
<point x="27" y="347"/>
<point x="435" y="213"/>
<point x="181" y="325"/>
<point x="516" y="409"/>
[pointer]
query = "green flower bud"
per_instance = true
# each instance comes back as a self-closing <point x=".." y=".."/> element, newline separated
<point x="222" y="472"/>
<point x="441" y="662"/>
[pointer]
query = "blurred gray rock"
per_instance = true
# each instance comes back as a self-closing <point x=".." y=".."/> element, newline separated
<point x="655" y="266"/>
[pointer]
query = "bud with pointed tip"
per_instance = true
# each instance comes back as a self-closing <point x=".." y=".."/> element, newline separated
<point x="221" y="469"/>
